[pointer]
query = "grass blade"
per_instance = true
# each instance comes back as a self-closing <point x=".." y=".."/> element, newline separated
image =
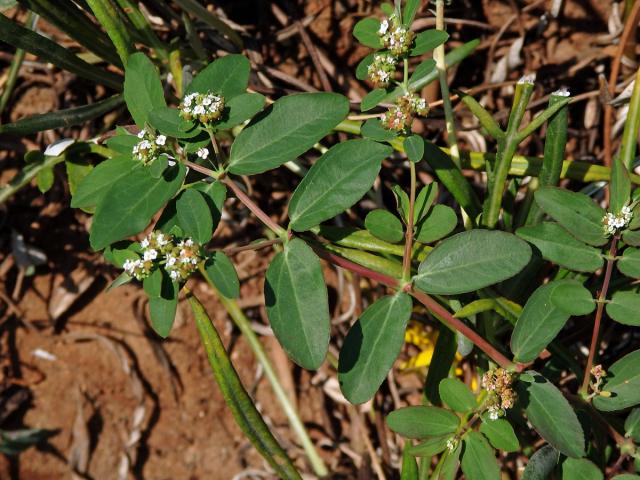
<point x="113" y="23"/>
<point x="197" y="10"/>
<point x="50" y="51"/>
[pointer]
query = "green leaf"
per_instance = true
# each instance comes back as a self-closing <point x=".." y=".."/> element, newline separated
<point x="550" y="414"/>
<point x="623" y="383"/>
<point x="479" y="459"/>
<point x="409" y="469"/>
<point x="362" y="70"/>
<point x="77" y="170"/>
<point x="580" y="469"/>
<point x="162" y="310"/>
<point x="128" y="205"/>
<point x="194" y="216"/>
<point x="541" y="464"/>
<point x="366" y="32"/>
<point x="500" y="434"/>
<point x="168" y="122"/>
<point x="542" y="318"/>
<point x="44" y="179"/>
<point x="241" y="108"/>
<point x="422" y="422"/>
<point x="374" y="130"/>
<point x="372" y="345"/>
<point x="288" y="128"/>
<point x="62" y="118"/>
<point x="122" y="143"/>
<point x="557" y="246"/>
<point x="373" y="98"/>
<point x="574" y="211"/>
<point x="221" y="272"/>
<point x="450" y="464"/>
<point x="430" y="447"/>
<point x="427" y="41"/>
<point x="426" y="197"/>
<point x="631" y="238"/>
<point x="335" y="182"/>
<point x="297" y="304"/>
<point x="142" y="88"/>
<point x="402" y="202"/>
<point x="422" y="70"/>
<point x="384" y="225"/>
<point x="632" y="425"/>
<point x="227" y="76"/>
<point x="152" y="284"/>
<point x="456" y="395"/>
<point x="626" y="476"/>
<point x="619" y="187"/>
<point x="215" y="193"/>
<point x="629" y="264"/>
<point x="158" y="166"/>
<point x="409" y="12"/>
<point x="440" y="222"/>
<point x="50" y="52"/>
<point x="472" y="260"/>
<point x="414" y="148"/>
<point x="624" y="307"/>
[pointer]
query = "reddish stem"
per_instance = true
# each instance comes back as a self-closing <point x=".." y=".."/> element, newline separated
<point x="596" y="325"/>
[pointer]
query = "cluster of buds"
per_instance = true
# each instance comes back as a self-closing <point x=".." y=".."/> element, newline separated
<point x="180" y="259"/>
<point x="400" y="116"/>
<point x="498" y="383"/>
<point x="382" y="69"/>
<point x="149" y="147"/>
<point x="598" y="374"/>
<point x="452" y="443"/>
<point x="395" y="36"/>
<point x="612" y="223"/>
<point x="203" y="107"/>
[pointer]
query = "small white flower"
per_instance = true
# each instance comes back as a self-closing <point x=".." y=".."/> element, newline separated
<point x="199" y="110"/>
<point x="160" y="238"/>
<point x="185" y="260"/>
<point x="161" y="140"/>
<point x="203" y="152"/>
<point x="452" y="443"/>
<point x="144" y="145"/>
<point x="206" y="101"/>
<point x="188" y="242"/>
<point x="145" y="242"/>
<point x="128" y="266"/>
<point x="174" y="274"/>
<point x="142" y="133"/>
<point x="170" y="260"/>
<point x="384" y="27"/>
<point x="150" y="254"/>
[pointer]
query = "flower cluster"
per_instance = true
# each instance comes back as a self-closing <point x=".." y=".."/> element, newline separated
<point x="498" y="383"/>
<point x="400" y="116"/>
<point x="598" y="373"/>
<point x="612" y="223"/>
<point x="149" y="147"/>
<point x="203" y="107"/>
<point x="382" y="69"/>
<point x="180" y="258"/>
<point x="452" y="444"/>
<point x="395" y="37"/>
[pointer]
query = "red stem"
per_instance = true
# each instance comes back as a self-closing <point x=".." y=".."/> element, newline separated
<point x="596" y="325"/>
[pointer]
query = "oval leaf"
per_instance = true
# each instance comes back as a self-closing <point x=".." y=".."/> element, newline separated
<point x="580" y="469"/>
<point x="227" y="76"/>
<point x="629" y="264"/>
<point x="162" y="310"/>
<point x="372" y="345"/>
<point x="623" y="384"/>
<point x="551" y="415"/>
<point x="574" y="211"/>
<point x="297" y="304"/>
<point x="222" y="274"/>
<point x="541" y="464"/>
<point x="384" y="225"/>
<point x="471" y="260"/>
<point x="142" y="88"/>
<point x="500" y="434"/>
<point x="168" y="122"/>
<point x="456" y="395"/>
<point x="557" y="246"/>
<point x="93" y="187"/>
<point x="335" y="182"/>
<point x="427" y="41"/>
<point x="128" y="205"/>
<point x="479" y="459"/>
<point x="440" y="222"/>
<point x="624" y="307"/>
<point x="194" y="216"/>
<point x="290" y="127"/>
<point x="366" y="32"/>
<point x="422" y="422"/>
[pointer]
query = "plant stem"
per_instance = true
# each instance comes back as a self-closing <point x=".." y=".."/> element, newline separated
<point x="255" y="209"/>
<point x="236" y="397"/>
<point x="252" y="246"/>
<point x="408" y="243"/>
<point x="16" y="63"/>
<point x="441" y="67"/>
<point x="243" y="324"/>
<point x="596" y="325"/>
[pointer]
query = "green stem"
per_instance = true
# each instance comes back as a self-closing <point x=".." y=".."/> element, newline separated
<point x="16" y="63"/>
<point x="507" y="146"/>
<point x="243" y="324"/>
<point x="631" y="127"/>
<point x="144" y="30"/>
<point x="408" y="243"/>
<point x="237" y="398"/>
<point x="109" y="18"/>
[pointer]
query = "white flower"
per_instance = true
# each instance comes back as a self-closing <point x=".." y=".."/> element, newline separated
<point x="203" y="152"/>
<point x="142" y="133"/>
<point x="384" y="27"/>
<point x="206" y="101"/>
<point x="188" y="242"/>
<point x="162" y="241"/>
<point x="128" y="266"/>
<point x="161" y="140"/>
<point x="452" y="443"/>
<point x="144" y="145"/>
<point x="170" y="260"/>
<point x="494" y="412"/>
<point x="150" y="254"/>
<point x="174" y="274"/>
<point x="199" y="110"/>
<point x="145" y="243"/>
